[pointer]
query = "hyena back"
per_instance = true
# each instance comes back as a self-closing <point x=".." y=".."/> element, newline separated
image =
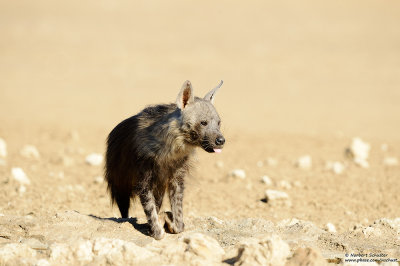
<point x="150" y="153"/>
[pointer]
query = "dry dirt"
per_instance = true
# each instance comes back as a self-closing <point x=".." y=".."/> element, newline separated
<point x="301" y="78"/>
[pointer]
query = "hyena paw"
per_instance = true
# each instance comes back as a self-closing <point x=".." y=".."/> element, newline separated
<point x="172" y="226"/>
<point x="158" y="233"/>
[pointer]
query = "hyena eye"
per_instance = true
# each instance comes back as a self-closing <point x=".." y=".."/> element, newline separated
<point x="204" y="123"/>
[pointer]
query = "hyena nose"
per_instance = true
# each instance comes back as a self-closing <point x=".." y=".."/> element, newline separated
<point x="220" y="140"/>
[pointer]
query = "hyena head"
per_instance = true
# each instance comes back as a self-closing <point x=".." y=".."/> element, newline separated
<point x="200" y="121"/>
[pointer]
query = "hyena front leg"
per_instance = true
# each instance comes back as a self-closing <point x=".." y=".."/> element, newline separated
<point x="176" y="187"/>
<point x="150" y="209"/>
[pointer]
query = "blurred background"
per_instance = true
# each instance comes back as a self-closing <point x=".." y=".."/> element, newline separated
<point x="312" y="67"/>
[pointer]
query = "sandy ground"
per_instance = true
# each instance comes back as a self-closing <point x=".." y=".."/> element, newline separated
<point x="300" y="78"/>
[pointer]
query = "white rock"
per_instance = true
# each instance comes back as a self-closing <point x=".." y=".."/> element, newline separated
<point x="266" y="180"/>
<point x="42" y="262"/>
<point x="390" y="161"/>
<point x="275" y="194"/>
<point x="19" y="175"/>
<point x="83" y="251"/>
<point x="204" y="246"/>
<point x="99" y="180"/>
<point x="94" y="159"/>
<point x="3" y="148"/>
<point x="285" y="184"/>
<point x="359" y="151"/>
<point x="13" y="251"/>
<point x="30" y="152"/>
<point x="60" y="253"/>
<point x="270" y="250"/>
<point x="361" y="162"/>
<point x="336" y="167"/>
<point x="304" y="162"/>
<point x="330" y="228"/>
<point x="239" y="173"/>
<point x="21" y="189"/>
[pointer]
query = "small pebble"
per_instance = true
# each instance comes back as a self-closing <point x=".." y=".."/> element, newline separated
<point x="330" y="228"/>
<point x="21" y="189"/>
<point x="304" y="162"/>
<point x="239" y="173"/>
<point x="359" y="152"/>
<point x="336" y="167"/>
<point x="19" y="175"/>
<point x="260" y="164"/>
<point x="30" y="152"/>
<point x="3" y="148"/>
<point x="275" y="195"/>
<point x="266" y="180"/>
<point x="99" y="180"/>
<point x="94" y="159"/>
<point x="390" y="161"/>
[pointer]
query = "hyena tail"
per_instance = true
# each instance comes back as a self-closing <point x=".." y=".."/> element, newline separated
<point x="118" y="173"/>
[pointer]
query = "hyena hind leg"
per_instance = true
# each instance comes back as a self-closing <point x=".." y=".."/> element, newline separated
<point x="150" y="209"/>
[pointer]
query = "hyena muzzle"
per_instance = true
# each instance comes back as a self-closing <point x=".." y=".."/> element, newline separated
<point x="150" y="153"/>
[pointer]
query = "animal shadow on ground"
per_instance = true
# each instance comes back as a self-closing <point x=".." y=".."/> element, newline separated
<point x="142" y="228"/>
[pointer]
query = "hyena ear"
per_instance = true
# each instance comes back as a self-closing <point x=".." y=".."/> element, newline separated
<point x="211" y="95"/>
<point x="185" y="96"/>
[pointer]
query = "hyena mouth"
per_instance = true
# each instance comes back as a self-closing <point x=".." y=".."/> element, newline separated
<point x="208" y="147"/>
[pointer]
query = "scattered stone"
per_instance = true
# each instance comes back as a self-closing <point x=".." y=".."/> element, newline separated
<point x="3" y="148"/>
<point x="34" y="244"/>
<point x="336" y="167"/>
<point x="260" y="164"/>
<point x="390" y="161"/>
<point x="21" y="189"/>
<point x="271" y="250"/>
<point x="272" y="161"/>
<point x="330" y="228"/>
<point x="239" y="173"/>
<point x="276" y="197"/>
<point x="359" y="152"/>
<point x="307" y="257"/>
<point x="30" y="152"/>
<point x="99" y="180"/>
<point x="219" y="164"/>
<point x="285" y="184"/>
<point x="83" y="251"/>
<point x="304" y="162"/>
<point x="266" y="180"/>
<point x="13" y="254"/>
<point x="372" y="231"/>
<point x="19" y="175"/>
<point x="204" y="246"/>
<point x="94" y="159"/>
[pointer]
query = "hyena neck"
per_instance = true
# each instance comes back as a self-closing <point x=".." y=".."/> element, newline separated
<point x="167" y="130"/>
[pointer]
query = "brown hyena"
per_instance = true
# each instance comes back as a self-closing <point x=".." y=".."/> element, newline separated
<point x="150" y="153"/>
